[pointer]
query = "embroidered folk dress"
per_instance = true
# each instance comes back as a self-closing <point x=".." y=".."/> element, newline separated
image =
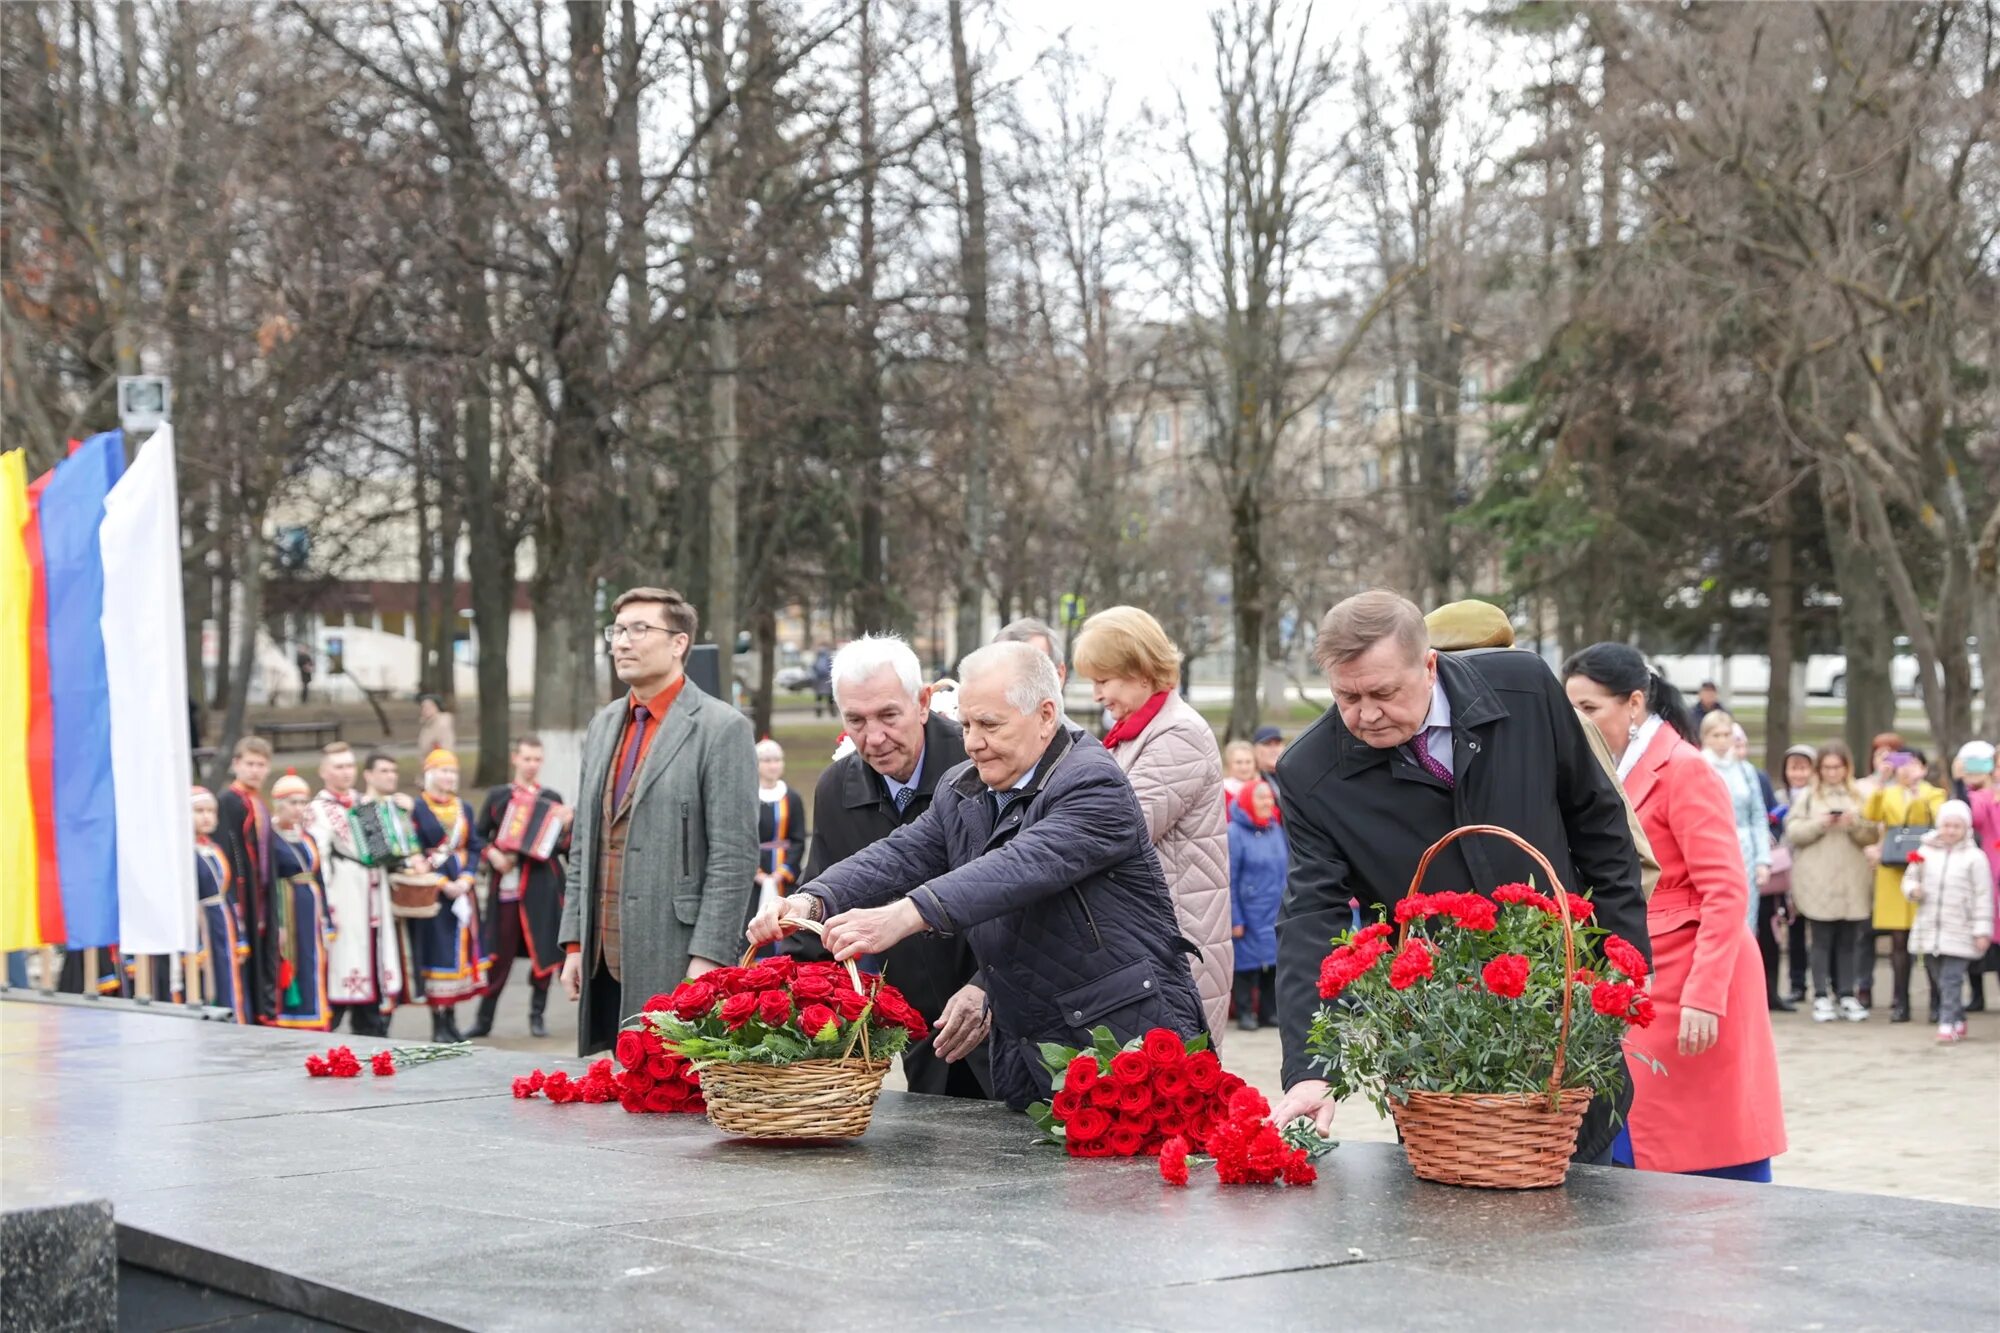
<point x="297" y="931"/>
<point x="224" y="951"/>
<point x="450" y="962"/>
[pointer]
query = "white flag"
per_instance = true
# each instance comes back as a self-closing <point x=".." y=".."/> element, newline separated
<point x="143" y="634"/>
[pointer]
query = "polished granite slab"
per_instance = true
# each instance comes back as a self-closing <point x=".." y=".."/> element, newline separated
<point x="58" y="1266"/>
<point x="435" y="1199"/>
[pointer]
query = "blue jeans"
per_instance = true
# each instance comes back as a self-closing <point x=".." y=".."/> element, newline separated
<point x="17" y="967"/>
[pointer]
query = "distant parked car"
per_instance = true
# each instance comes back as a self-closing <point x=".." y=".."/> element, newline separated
<point x="797" y="679"/>
<point x="1750" y="674"/>
<point x="1746" y="673"/>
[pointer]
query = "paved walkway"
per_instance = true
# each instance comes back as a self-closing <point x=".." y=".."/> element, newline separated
<point x="1874" y="1107"/>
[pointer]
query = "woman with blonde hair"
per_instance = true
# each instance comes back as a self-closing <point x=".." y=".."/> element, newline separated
<point x="1833" y="883"/>
<point x="1239" y="768"/>
<point x="1746" y="802"/>
<point x="1167" y="751"/>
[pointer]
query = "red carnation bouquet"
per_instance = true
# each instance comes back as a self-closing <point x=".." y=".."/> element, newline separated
<point x="778" y="1012"/>
<point x="342" y="1062"/>
<point x="1470" y="1001"/>
<point x="1160" y="1095"/>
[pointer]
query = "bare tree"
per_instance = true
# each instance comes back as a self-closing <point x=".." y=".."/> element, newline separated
<point x="1262" y="204"/>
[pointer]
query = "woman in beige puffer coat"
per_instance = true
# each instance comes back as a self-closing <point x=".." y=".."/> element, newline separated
<point x="1169" y="753"/>
<point x="1833" y="884"/>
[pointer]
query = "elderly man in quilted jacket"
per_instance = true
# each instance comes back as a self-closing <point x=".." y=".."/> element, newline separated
<point x="1035" y="850"/>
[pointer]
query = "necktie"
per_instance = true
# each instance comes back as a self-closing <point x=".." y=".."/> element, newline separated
<point x="903" y="799"/>
<point x="630" y="761"/>
<point x="1421" y="746"/>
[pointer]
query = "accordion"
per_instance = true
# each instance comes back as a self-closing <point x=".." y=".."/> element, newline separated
<point x="383" y="834"/>
<point x="531" y="826"/>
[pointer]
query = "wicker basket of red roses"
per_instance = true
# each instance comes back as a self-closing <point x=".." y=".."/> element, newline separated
<point x="1493" y="1024"/>
<point x="787" y="1050"/>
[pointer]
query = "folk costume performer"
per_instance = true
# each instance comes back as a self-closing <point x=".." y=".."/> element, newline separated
<point x="296" y="928"/>
<point x="450" y="960"/>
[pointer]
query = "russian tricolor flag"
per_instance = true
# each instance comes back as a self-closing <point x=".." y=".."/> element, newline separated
<point x="96" y="844"/>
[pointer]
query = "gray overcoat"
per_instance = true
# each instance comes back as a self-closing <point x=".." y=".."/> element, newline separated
<point x="690" y="850"/>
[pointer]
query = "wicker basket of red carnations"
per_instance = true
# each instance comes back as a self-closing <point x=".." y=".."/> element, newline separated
<point x="787" y="1050"/>
<point x="1492" y="1024"/>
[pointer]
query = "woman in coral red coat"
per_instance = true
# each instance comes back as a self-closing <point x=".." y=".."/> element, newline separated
<point x="1705" y="1074"/>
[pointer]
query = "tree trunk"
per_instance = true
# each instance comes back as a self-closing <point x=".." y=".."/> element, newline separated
<point x="1783" y="595"/>
<point x="871" y="592"/>
<point x="763" y="697"/>
<point x="1933" y="682"/>
<point x="251" y="559"/>
<point x="725" y="443"/>
<point x="571" y="533"/>
<point x="1864" y="621"/>
<point x="490" y="549"/>
<point x="1246" y="608"/>
<point x="442" y="632"/>
<point x="426" y="589"/>
<point x="971" y="583"/>
<point x="225" y="622"/>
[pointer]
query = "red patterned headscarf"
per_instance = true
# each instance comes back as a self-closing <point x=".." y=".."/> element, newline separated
<point x="1245" y="800"/>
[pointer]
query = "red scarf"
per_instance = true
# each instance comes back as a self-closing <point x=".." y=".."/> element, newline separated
<point x="1249" y="807"/>
<point x="1128" y="728"/>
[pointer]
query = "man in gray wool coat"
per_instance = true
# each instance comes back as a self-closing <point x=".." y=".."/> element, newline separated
<point x="663" y="856"/>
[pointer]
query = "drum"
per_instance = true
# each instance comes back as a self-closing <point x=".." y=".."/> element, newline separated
<point x="414" y="894"/>
<point x="531" y="826"/>
<point x="383" y="834"/>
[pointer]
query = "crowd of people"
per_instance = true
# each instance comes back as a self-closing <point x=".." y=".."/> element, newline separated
<point x="1026" y="881"/>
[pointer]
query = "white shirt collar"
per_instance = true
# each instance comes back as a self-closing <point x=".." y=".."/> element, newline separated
<point x="1637" y="747"/>
<point x="772" y="795"/>
<point x="1440" y="714"/>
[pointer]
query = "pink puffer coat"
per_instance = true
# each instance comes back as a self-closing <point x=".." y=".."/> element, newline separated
<point x="1176" y="769"/>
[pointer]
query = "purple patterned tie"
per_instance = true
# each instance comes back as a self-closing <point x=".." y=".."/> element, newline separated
<point x="630" y="761"/>
<point x="1421" y="746"/>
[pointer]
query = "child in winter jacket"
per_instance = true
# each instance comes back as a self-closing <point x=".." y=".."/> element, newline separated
<point x="1951" y="884"/>
<point x="1258" y="861"/>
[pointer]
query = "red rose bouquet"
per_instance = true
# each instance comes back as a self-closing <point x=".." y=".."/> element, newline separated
<point x="1149" y="1095"/>
<point x="778" y="1012"/>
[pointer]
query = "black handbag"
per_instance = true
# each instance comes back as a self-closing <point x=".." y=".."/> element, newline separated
<point x="1900" y="840"/>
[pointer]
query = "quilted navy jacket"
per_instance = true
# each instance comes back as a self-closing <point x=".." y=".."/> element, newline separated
<point x="1062" y="900"/>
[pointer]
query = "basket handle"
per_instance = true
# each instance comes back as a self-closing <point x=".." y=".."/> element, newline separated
<point x="1560" y="894"/>
<point x="750" y="956"/>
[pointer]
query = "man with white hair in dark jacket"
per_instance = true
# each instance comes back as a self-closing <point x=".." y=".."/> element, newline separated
<point x="1036" y="851"/>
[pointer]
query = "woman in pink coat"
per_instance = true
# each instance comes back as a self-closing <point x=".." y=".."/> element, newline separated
<point x="1705" y="1074"/>
<point x="1168" y="752"/>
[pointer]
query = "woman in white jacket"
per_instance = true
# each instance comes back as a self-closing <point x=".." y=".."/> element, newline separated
<point x="1952" y="886"/>
<point x="1168" y="751"/>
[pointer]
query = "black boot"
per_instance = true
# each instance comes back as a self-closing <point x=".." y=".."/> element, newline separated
<point x="483" y="1025"/>
<point x="439" y="1030"/>
<point x="449" y="1018"/>
<point x="1780" y="1005"/>
<point x="538" y="1002"/>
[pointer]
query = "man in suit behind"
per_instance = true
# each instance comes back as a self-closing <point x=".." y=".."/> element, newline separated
<point x="1417" y="744"/>
<point x="664" y="845"/>
<point x="901" y="749"/>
